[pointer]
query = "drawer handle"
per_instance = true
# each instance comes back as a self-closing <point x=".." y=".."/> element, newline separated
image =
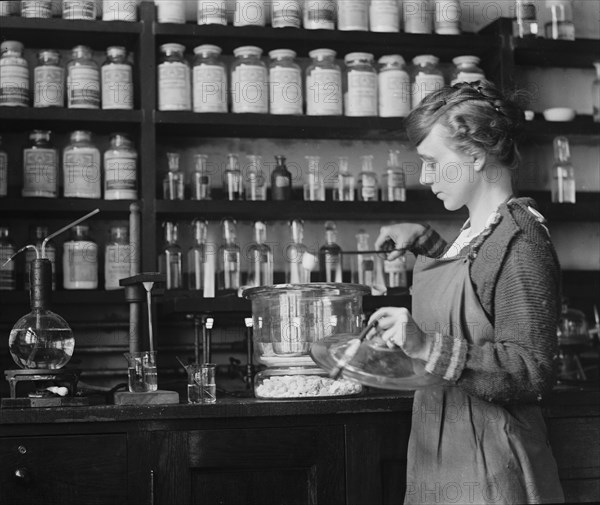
<point x="23" y="475"/>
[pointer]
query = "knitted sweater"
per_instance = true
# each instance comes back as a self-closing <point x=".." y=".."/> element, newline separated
<point x="516" y="275"/>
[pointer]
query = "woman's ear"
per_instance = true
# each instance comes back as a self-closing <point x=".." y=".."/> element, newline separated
<point x="479" y="161"/>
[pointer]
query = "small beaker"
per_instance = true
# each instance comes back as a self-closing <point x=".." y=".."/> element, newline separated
<point x="208" y="386"/>
<point x="194" y="383"/>
<point x="142" y="373"/>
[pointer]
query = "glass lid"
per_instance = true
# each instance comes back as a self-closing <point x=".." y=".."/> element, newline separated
<point x="374" y="364"/>
<point x="311" y="289"/>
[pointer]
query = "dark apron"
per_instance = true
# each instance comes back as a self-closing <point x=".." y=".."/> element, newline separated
<point x="463" y="449"/>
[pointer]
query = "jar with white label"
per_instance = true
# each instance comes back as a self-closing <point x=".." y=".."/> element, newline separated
<point x="120" y="169"/>
<point x="14" y="75"/>
<point x="393" y="86"/>
<point x="384" y="16"/>
<point x="466" y="69"/>
<point x="323" y="89"/>
<point x="446" y="19"/>
<point x="427" y="77"/>
<point x="116" y="257"/>
<point x="418" y="16"/>
<point x="286" y="13"/>
<point x="353" y="15"/>
<point x="211" y="12"/>
<point x="40" y="166"/>
<point x="174" y="79"/>
<point x="285" y="82"/>
<point x="360" y="85"/>
<point x="80" y="260"/>
<point x="117" y="80"/>
<point x="119" y="10"/>
<point x="48" y="80"/>
<point x="170" y="11"/>
<point x="37" y="234"/>
<point x="79" y="9"/>
<point x="81" y="167"/>
<point x="249" y="81"/>
<point x="209" y="80"/>
<point x="319" y="14"/>
<point x="83" y="80"/>
<point x="249" y="13"/>
<point x="35" y="8"/>
<point x="3" y="171"/>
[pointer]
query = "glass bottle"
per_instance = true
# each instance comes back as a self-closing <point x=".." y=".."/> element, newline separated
<point x="346" y="183"/>
<point x="37" y="234"/>
<point x="212" y="12"/>
<point x="48" y="80"/>
<point x="229" y="272"/>
<point x="296" y="271"/>
<point x="330" y="256"/>
<point x="80" y="260"/>
<point x="418" y="16"/>
<point x="40" y="166"/>
<point x="256" y="182"/>
<point x="360" y="85"/>
<point x="446" y="20"/>
<point x="563" y="180"/>
<point x="201" y="185"/>
<point x="197" y="256"/>
<point x="353" y="15"/>
<point x="285" y="83"/>
<point x="174" y="79"/>
<point x="249" y="13"/>
<point x="14" y="75"/>
<point x="314" y="189"/>
<point x="119" y="10"/>
<point x="170" y="257"/>
<point x="3" y="171"/>
<point x="79" y="9"/>
<point x="281" y="180"/>
<point x="260" y="268"/>
<point x="596" y="93"/>
<point x="81" y="167"/>
<point x="286" y="14"/>
<point x="120" y="169"/>
<point x="323" y="84"/>
<point x="209" y="80"/>
<point x="8" y="272"/>
<point x="427" y="77"/>
<point x="466" y="69"/>
<point x="174" y="181"/>
<point x="83" y="80"/>
<point x="395" y="275"/>
<point x="525" y="21"/>
<point x="249" y="81"/>
<point x="233" y="183"/>
<point x="560" y="26"/>
<point x="41" y="9"/>
<point x="393" y="86"/>
<point x="170" y="11"/>
<point x="368" y="190"/>
<point x="319" y="14"/>
<point x="117" y="253"/>
<point x="394" y="180"/>
<point x="117" y="80"/>
<point x="384" y="16"/>
<point x="364" y="272"/>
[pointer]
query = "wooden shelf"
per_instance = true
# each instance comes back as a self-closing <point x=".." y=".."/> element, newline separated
<point x="582" y="129"/>
<point x="586" y="207"/>
<point x="539" y="52"/>
<point x="69" y="297"/>
<point x="28" y="208"/>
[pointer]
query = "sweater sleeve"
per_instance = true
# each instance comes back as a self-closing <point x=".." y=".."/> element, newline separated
<point x="518" y="364"/>
<point x="430" y="243"/>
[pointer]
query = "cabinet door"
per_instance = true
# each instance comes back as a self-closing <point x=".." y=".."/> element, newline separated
<point x="63" y="470"/>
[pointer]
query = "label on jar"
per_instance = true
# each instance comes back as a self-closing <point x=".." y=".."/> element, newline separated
<point x="384" y="16"/>
<point x="120" y="176"/>
<point x="40" y="173"/>
<point x="353" y="15"/>
<point x="447" y="17"/>
<point x="281" y="181"/>
<point x="83" y="86"/>
<point x="80" y="265"/>
<point x="417" y="16"/>
<point x="81" y="173"/>
<point x="14" y="82"/>
<point x="319" y="14"/>
<point x="286" y="13"/>
<point x="210" y="88"/>
<point x="361" y="97"/>
<point x="249" y="13"/>
<point x="30" y="256"/>
<point x="212" y="12"/>
<point x="249" y="89"/>
<point x="3" y="174"/>
<point x="116" y="265"/>
<point x="174" y="87"/>
<point x="170" y="11"/>
<point x="79" y="9"/>
<point x="7" y="272"/>
<point x="49" y="89"/>
<point x="394" y="93"/>
<point x="285" y="90"/>
<point x="424" y="85"/>
<point x="323" y="92"/>
<point x="117" y="86"/>
<point x="119" y="10"/>
<point x="35" y="8"/>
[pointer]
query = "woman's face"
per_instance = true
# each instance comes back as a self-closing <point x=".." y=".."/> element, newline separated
<point x="450" y="174"/>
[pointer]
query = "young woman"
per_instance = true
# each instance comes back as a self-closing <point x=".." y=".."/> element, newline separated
<point x="484" y="311"/>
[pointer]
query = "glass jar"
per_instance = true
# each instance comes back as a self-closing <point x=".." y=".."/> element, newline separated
<point x="360" y="85"/>
<point x="393" y="86"/>
<point x="353" y="15"/>
<point x="120" y="169"/>
<point x="8" y="273"/>
<point x="249" y="13"/>
<point x="418" y="16"/>
<point x="117" y="80"/>
<point x="319" y="14"/>
<point x="596" y="93"/>
<point x="323" y="84"/>
<point x="14" y="75"/>
<point x="384" y="16"/>
<point x="446" y="20"/>
<point x="170" y="11"/>
<point x="212" y="12"/>
<point x="81" y="167"/>
<point x="40" y="166"/>
<point x="286" y="14"/>
<point x="174" y="79"/>
<point x="79" y="9"/>
<point x="80" y="260"/>
<point x="36" y="9"/>
<point x="209" y="80"/>
<point x="249" y="81"/>
<point x="119" y="10"/>
<point x="560" y="26"/>
<point x="466" y="69"/>
<point x="83" y="80"/>
<point x="37" y="234"/>
<point x="285" y="82"/>
<point x="427" y="77"/>
<point x="48" y="80"/>
<point x="525" y="21"/>
<point x="116" y="257"/>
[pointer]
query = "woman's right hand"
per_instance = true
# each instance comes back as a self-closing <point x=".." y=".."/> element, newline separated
<point x="402" y="235"/>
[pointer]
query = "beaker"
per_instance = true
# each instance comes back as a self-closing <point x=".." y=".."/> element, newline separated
<point x="142" y="373"/>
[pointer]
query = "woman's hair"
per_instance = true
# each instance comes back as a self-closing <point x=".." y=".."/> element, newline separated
<point x="478" y="117"/>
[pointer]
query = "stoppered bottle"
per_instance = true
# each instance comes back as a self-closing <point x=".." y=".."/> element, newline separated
<point x="563" y="179"/>
<point x="260" y="256"/>
<point x="174" y="181"/>
<point x="196" y="256"/>
<point x="229" y="270"/>
<point x="330" y="256"/>
<point x="170" y="256"/>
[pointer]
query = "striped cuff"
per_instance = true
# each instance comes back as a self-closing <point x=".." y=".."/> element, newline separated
<point x="429" y="243"/>
<point x="447" y="358"/>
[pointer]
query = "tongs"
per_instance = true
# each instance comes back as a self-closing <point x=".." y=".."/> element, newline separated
<point x="351" y="351"/>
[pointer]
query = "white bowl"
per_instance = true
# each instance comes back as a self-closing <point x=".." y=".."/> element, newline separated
<point x="559" y="114"/>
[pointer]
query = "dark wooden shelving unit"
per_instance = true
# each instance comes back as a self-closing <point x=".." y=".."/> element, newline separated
<point x="586" y="208"/>
<point x="582" y="129"/>
<point x="540" y="52"/>
<point x="28" y="208"/>
<point x="70" y="297"/>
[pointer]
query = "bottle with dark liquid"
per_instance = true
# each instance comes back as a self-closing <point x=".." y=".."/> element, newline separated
<point x="330" y="256"/>
<point x="281" y="181"/>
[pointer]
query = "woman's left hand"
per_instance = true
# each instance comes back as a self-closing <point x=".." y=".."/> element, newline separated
<point x="398" y="329"/>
